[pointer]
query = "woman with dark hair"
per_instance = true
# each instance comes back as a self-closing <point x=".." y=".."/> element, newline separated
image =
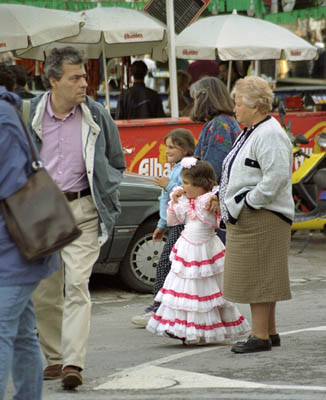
<point x="214" y="106"/>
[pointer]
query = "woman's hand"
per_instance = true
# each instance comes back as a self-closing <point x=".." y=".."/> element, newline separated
<point x="158" y="234"/>
<point x="213" y="205"/>
<point x="176" y="195"/>
<point x="161" y="181"/>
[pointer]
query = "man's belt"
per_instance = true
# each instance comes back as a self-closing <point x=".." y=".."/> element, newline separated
<point x="70" y="196"/>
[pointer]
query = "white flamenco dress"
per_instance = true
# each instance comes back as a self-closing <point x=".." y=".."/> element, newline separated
<point x="192" y="304"/>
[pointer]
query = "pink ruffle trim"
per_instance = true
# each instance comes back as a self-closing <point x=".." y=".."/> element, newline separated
<point x="221" y="324"/>
<point x="197" y="263"/>
<point x="189" y="296"/>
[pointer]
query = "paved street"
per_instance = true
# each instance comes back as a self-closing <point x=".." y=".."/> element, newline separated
<point x="125" y="362"/>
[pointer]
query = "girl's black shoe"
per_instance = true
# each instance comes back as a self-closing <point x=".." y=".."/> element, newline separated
<point x="175" y="337"/>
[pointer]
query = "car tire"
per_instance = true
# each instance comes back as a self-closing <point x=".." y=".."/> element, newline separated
<point x="138" y="268"/>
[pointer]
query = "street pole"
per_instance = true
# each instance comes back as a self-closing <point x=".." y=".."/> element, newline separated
<point x="172" y="59"/>
<point x="274" y="6"/>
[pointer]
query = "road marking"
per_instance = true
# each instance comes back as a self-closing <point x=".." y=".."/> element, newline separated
<point x="152" y="377"/>
<point x="316" y="328"/>
<point x="149" y="375"/>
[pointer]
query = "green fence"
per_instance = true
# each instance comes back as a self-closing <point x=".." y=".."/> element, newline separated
<point x="293" y="16"/>
<point x="214" y="6"/>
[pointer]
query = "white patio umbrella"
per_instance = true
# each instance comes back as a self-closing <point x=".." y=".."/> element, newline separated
<point x="235" y="37"/>
<point x="113" y="32"/>
<point x="23" y="27"/>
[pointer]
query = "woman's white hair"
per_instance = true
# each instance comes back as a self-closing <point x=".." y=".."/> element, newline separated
<point x="255" y="92"/>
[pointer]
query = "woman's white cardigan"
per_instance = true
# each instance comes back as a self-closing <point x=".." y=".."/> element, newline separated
<point x="261" y="173"/>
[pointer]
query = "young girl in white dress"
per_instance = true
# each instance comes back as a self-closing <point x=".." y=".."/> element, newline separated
<point x="192" y="306"/>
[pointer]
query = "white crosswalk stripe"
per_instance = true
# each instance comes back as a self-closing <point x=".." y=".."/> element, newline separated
<point x="151" y="375"/>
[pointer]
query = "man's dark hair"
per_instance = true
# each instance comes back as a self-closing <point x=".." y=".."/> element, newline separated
<point x="139" y="69"/>
<point x="53" y="65"/>
<point x="20" y="73"/>
<point x="7" y="77"/>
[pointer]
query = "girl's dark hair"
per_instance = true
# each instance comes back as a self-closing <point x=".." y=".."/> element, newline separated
<point x="212" y="98"/>
<point x="182" y="138"/>
<point x="202" y="174"/>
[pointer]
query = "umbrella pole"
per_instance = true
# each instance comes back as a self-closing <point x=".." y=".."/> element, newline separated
<point x="172" y="59"/>
<point x="107" y="96"/>
<point x="229" y="76"/>
<point x="257" y="68"/>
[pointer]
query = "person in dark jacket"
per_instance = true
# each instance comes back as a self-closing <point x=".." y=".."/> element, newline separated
<point x="139" y="101"/>
<point x="21" y="81"/>
<point x="7" y="77"/>
<point x="19" y="346"/>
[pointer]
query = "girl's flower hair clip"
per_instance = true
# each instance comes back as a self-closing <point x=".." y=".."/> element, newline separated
<point x="188" y="162"/>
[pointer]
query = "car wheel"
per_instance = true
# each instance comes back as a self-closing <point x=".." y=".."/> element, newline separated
<point x="138" y="268"/>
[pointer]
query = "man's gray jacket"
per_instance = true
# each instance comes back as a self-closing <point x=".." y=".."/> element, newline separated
<point x="102" y="153"/>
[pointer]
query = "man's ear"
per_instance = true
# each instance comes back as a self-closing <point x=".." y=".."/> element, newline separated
<point x="52" y="81"/>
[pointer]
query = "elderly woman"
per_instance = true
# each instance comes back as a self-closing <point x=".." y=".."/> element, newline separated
<point x="257" y="208"/>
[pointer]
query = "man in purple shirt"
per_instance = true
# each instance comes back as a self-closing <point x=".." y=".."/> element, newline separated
<point x="81" y="149"/>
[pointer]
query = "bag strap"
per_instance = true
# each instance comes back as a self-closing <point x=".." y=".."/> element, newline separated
<point x="37" y="163"/>
<point x="26" y="111"/>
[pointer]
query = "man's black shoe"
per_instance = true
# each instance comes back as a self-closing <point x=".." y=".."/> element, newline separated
<point x="252" y="345"/>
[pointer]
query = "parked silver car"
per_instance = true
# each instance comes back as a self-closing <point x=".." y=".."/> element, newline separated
<point x="131" y="252"/>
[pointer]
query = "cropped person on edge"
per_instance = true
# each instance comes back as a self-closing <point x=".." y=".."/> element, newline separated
<point x="257" y="207"/>
<point x="19" y="346"/>
<point x="81" y="150"/>
<point x="139" y="101"/>
<point x="214" y="106"/>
